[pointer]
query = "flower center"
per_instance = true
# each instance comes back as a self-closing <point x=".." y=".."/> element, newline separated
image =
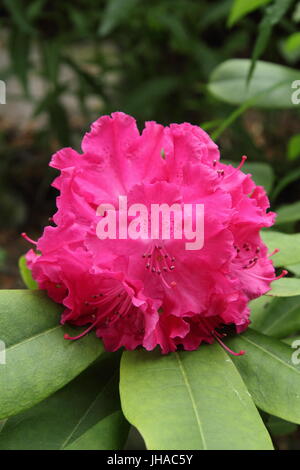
<point x="159" y="262"/>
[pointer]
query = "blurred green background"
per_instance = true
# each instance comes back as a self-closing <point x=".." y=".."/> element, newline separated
<point x="67" y="63"/>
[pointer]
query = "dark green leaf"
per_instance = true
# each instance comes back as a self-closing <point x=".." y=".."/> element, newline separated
<point x="39" y="360"/>
<point x="69" y="417"/>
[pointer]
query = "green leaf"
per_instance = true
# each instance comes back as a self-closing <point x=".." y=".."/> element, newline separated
<point x="115" y="13"/>
<point x="26" y="274"/>
<point x="286" y="287"/>
<point x="278" y="317"/>
<point x="189" y="400"/>
<point x="240" y="8"/>
<point x="289" y="246"/>
<point x="69" y="417"/>
<point x="272" y="16"/>
<point x="292" y="176"/>
<point x="288" y="213"/>
<point x="290" y="47"/>
<point x="280" y="427"/>
<point x="16" y="9"/>
<point x="295" y="269"/>
<point x="270" y="86"/>
<point x="269" y="374"/>
<point x="101" y="437"/>
<point x="39" y="360"/>
<point x="294" y="147"/>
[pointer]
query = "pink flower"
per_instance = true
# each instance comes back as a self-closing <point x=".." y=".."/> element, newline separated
<point x="145" y="292"/>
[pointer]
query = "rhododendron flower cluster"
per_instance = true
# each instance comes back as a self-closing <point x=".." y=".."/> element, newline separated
<point x="149" y="292"/>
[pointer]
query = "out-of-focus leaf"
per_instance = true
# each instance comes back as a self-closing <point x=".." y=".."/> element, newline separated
<point x="296" y="13"/>
<point x="269" y="374"/>
<point x="288" y="213"/>
<point x="19" y="47"/>
<point x="34" y="9"/>
<point x="294" y="175"/>
<point x="26" y="274"/>
<point x="289" y="246"/>
<point x="273" y="15"/>
<point x="294" y="147"/>
<point x="115" y="13"/>
<point x="16" y="9"/>
<point x="197" y="401"/>
<point x="290" y="47"/>
<point x="270" y="86"/>
<point x="68" y="418"/>
<point x="241" y="8"/>
<point x="149" y="93"/>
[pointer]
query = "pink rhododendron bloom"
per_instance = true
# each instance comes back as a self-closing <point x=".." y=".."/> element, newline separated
<point x="149" y="292"/>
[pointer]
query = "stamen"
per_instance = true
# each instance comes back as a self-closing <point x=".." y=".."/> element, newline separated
<point x="284" y="273"/>
<point x="244" y="158"/>
<point x="25" y="236"/>
<point x="66" y="336"/>
<point x="274" y="252"/>
<point x="241" y="353"/>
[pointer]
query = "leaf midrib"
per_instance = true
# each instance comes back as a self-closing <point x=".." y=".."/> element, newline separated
<point x="84" y="415"/>
<point x="190" y="392"/>
<point x="27" y="340"/>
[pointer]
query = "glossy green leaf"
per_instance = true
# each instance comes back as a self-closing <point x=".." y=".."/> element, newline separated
<point x="289" y="246"/>
<point x="39" y="360"/>
<point x="269" y="374"/>
<point x="189" y="400"/>
<point x="241" y="8"/>
<point x="286" y="287"/>
<point x="26" y="274"/>
<point x="277" y="317"/>
<point x="270" y="86"/>
<point x="288" y="213"/>
<point x="70" y="417"/>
